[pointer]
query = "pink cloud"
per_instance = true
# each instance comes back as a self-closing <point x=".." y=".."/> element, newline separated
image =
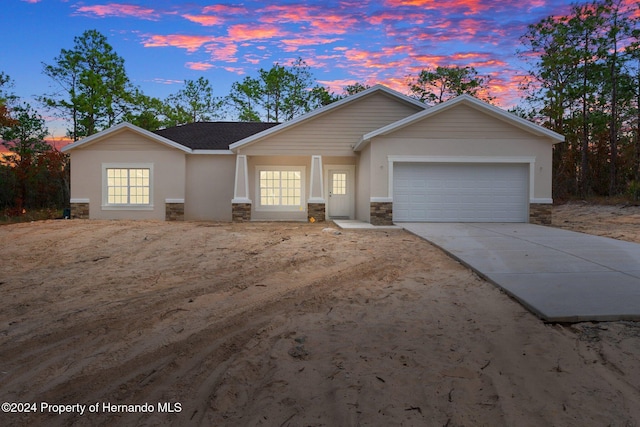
<point x="119" y="10"/>
<point x="190" y="43"/>
<point x="222" y="51"/>
<point x="223" y="9"/>
<point x="198" y="66"/>
<point x="321" y="19"/>
<point x="308" y="41"/>
<point x="205" y="20"/>
<point x="235" y="70"/>
<point x="32" y="1"/>
<point x="467" y="7"/>
<point x="242" y="32"/>
<point x="254" y="59"/>
<point x="338" y="85"/>
<point x="390" y="16"/>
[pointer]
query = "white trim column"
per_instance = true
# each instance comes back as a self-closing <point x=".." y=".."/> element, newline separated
<point x="316" y="205"/>
<point x="241" y="187"/>
<point x="316" y="184"/>
<point x="241" y="204"/>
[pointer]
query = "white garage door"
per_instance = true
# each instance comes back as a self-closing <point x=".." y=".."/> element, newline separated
<point x="470" y="192"/>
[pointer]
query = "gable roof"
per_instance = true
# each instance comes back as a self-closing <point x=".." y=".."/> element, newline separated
<point x="322" y="110"/>
<point x="188" y="137"/>
<point x="212" y="135"/>
<point x="469" y="100"/>
<point x="119" y="128"/>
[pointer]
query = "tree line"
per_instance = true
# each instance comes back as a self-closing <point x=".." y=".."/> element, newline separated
<point x="583" y="82"/>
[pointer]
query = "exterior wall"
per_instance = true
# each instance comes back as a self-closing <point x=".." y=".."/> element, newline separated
<point x="337" y="131"/>
<point x="462" y="132"/>
<point x="127" y="147"/>
<point x="363" y="185"/>
<point x="261" y="215"/>
<point x="302" y="161"/>
<point x="209" y="187"/>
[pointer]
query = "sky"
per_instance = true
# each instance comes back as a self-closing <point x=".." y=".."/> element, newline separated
<point x="165" y="42"/>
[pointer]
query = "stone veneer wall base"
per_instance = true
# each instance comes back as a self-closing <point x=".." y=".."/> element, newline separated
<point x="80" y="210"/>
<point x="316" y="211"/>
<point x="240" y="212"/>
<point x="174" y="211"/>
<point x="381" y="213"/>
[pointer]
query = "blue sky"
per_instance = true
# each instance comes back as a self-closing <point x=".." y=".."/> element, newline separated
<point x="165" y="42"/>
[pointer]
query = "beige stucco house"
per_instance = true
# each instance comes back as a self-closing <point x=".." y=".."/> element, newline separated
<point x="377" y="156"/>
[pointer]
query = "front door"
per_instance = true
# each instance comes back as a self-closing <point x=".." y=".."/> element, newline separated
<point x="340" y="186"/>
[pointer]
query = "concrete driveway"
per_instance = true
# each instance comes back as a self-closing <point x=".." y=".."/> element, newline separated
<point x="560" y="275"/>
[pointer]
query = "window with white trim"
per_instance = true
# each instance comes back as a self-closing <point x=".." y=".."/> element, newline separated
<point x="280" y="188"/>
<point x="127" y="186"/>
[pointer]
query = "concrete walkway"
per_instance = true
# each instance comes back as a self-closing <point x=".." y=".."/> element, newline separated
<point x="560" y="275"/>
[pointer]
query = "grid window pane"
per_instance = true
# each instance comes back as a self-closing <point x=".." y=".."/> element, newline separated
<point x="128" y="186"/>
<point x="280" y="188"/>
<point x="339" y="183"/>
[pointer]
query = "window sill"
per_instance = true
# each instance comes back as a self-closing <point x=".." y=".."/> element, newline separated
<point x="127" y="207"/>
<point x="280" y="208"/>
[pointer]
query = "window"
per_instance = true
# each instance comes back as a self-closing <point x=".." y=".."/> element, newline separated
<point x="127" y="186"/>
<point x="339" y="183"/>
<point x="280" y="188"/>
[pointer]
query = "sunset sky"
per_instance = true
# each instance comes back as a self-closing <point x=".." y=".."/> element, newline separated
<point x="165" y="42"/>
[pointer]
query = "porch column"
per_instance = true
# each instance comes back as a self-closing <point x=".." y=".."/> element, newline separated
<point x="316" y="202"/>
<point x="241" y="204"/>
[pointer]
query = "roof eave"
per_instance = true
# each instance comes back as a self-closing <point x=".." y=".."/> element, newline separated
<point x="112" y="130"/>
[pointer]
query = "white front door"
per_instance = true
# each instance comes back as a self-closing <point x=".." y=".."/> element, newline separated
<point x="340" y="192"/>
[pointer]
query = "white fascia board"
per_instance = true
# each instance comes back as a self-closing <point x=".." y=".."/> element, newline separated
<point x="241" y="200"/>
<point x="214" y="152"/>
<point x="468" y="99"/>
<point x="308" y="116"/>
<point x="105" y="133"/>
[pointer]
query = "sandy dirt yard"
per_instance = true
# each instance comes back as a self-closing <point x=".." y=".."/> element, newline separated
<point x="290" y="324"/>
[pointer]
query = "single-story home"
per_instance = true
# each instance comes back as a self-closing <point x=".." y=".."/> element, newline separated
<point x="377" y="156"/>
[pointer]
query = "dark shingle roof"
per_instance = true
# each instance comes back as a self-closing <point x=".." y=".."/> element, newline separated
<point x="212" y="135"/>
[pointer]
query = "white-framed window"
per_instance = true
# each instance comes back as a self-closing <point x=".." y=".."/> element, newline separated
<point x="280" y="188"/>
<point x="127" y="186"/>
<point x="339" y="183"/>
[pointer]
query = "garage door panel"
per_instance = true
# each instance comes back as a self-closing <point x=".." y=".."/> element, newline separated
<point x="460" y="192"/>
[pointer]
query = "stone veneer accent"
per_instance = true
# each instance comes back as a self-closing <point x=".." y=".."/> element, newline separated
<point x="317" y="211"/>
<point x="540" y="213"/>
<point x="174" y="211"/>
<point x="240" y="212"/>
<point x="80" y="210"/>
<point x="381" y="213"/>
